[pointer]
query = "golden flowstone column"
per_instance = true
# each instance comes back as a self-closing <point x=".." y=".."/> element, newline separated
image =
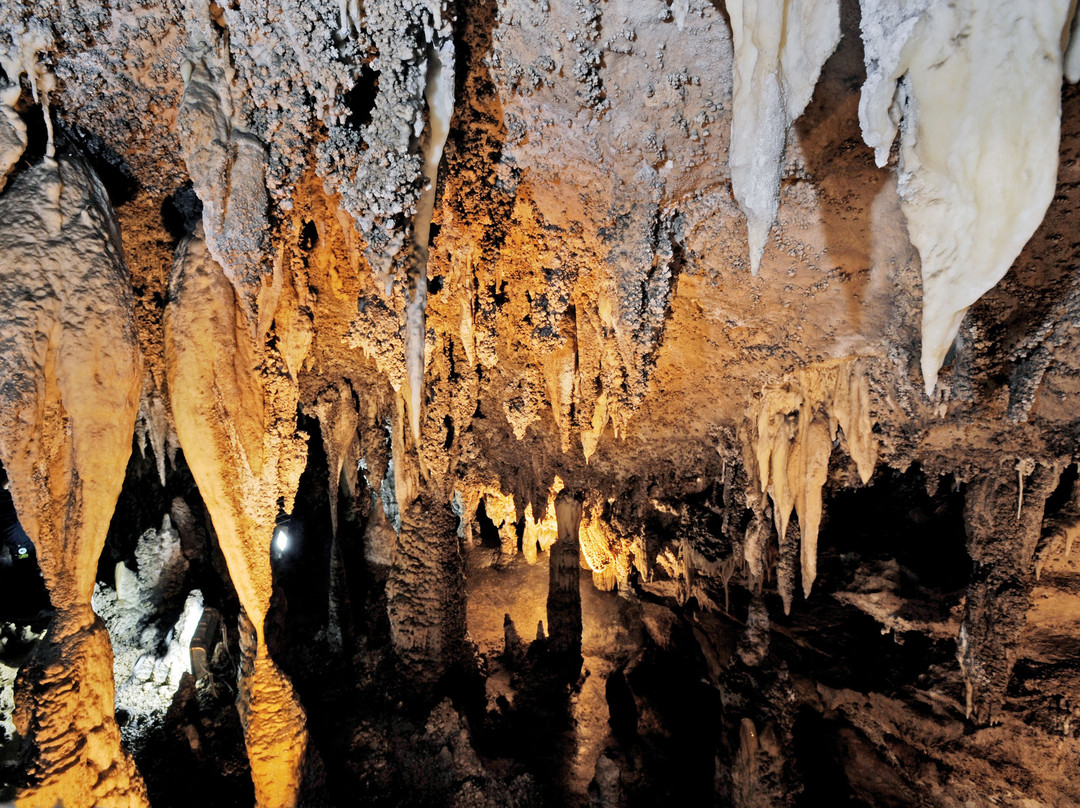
<point x="234" y="405"/>
<point x="70" y="375"/>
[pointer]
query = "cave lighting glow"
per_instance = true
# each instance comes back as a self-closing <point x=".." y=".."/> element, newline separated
<point x="281" y="540"/>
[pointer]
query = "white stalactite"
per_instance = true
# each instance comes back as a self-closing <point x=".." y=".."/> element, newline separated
<point x="780" y="48"/>
<point x="439" y="94"/>
<point x="975" y="89"/>
<point x="12" y="131"/>
<point x="228" y="165"/>
<point x="22" y="59"/>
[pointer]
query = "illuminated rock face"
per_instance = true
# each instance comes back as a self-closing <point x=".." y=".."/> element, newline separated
<point x="70" y="373"/>
<point x="792" y="439"/>
<point x="564" y="595"/>
<point x="486" y="247"/>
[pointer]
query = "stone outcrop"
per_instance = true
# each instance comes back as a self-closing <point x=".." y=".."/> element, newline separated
<point x="564" y="589"/>
<point x="1004" y="514"/>
<point x="425" y="594"/>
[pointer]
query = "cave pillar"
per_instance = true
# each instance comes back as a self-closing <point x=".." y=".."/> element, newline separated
<point x="564" y="591"/>
<point x="1003" y="514"/>
<point x="234" y="405"/>
<point x="426" y="593"/>
<point x="70" y="376"/>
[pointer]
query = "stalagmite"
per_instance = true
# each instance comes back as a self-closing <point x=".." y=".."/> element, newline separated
<point x="564" y="593"/>
<point x="339" y="420"/>
<point x="792" y="438"/>
<point x="975" y="89"/>
<point x="227" y="164"/>
<point x="780" y="48"/>
<point x="70" y="374"/>
<point x="439" y="94"/>
<point x="425" y="594"/>
<point x="999" y="592"/>
<point x="235" y="410"/>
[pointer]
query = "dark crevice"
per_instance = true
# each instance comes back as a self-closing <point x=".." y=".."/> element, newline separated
<point x="361" y="98"/>
<point x="181" y="212"/>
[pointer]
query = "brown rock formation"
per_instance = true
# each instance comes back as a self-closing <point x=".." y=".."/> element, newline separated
<point x="564" y="595"/>
<point x="1004" y="516"/>
<point x="70" y="373"/>
<point x="234" y="406"/>
<point x="669" y="254"/>
<point x="426" y="593"/>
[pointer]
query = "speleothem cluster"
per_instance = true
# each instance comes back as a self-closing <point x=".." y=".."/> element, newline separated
<point x="624" y="285"/>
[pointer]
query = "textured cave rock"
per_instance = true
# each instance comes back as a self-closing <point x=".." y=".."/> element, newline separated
<point x="71" y="377"/>
<point x="425" y="593"/>
<point x="1002" y="544"/>
<point x="235" y="408"/>
<point x="394" y="272"/>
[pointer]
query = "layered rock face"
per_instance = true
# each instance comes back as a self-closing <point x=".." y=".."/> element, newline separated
<point x="486" y="302"/>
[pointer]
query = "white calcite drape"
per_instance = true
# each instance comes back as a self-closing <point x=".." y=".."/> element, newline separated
<point x="974" y="87"/>
<point x="780" y="48"/>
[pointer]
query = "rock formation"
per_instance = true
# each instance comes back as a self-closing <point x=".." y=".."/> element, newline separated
<point x="787" y="291"/>
<point x="564" y="595"/>
<point x="234" y="406"/>
<point x="71" y="372"/>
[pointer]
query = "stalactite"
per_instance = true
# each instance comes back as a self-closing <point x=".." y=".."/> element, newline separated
<point x="500" y="509"/>
<point x="975" y="89"/>
<point x="12" y="130"/>
<point x="780" y="48"/>
<point x="792" y="438"/>
<point x="564" y="593"/>
<point x="608" y="554"/>
<point x="540" y="535"/>
<point x="439" y="95"/>
<point x="560" y="368"/>
<point x="70" y="375"/>
<point x="228" y="165"/>
<point x="30" y="42"/>
<point x="234" y="404"/>
<point x="338" y="421"/>
<point x="153" y="426"/>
